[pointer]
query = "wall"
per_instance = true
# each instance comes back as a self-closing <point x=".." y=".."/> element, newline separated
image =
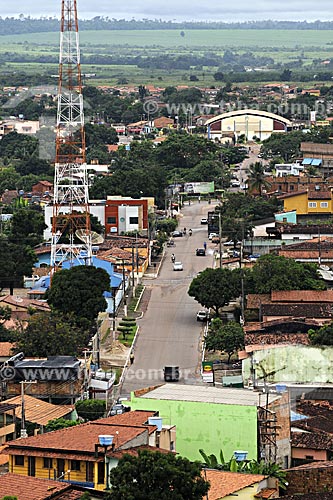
<point x="310" y="479"/>
<point x="301" y="364"/>
<point x="302" y="453"/>
<point x="209" y="426"/>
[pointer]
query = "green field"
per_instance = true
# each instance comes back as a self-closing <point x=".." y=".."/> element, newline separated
<point x="283" y="46"/>
<point x="237" y="39"/>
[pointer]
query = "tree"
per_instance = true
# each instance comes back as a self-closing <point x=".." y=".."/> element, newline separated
<point x="16" y="261"/>
<point x="90" y="409"/>
<point x="79" y="290"/>
<point x="256" y="177"/>
<point x="27" y="226"/>
<point x="149" y="476"/>
<point x="214" y="288"/>
<point x="218" y="76"/>
<point x="228" y="338"/>
<point x="59" y="423"/>
<point x="51" y="334"/>
<point x="182" y="34"/>
<point x="272" y="272"/>
<point x="323" y="336"/>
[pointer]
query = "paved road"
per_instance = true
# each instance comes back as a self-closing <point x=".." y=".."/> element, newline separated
<point x="169" y="332"/>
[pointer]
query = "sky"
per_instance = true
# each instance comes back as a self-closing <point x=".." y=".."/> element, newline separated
<point x="180" y="10"/>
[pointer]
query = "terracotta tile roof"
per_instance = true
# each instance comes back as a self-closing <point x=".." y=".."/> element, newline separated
<point x="24" y="302"/>
<point x="302" y="296"/>
<point x="308" y="310"/>
<point x="254" y="300"/>
<point x="136" y="417"/>
<point x="224" y="483"/>
<point x="30" y="488"/>
<point x="319" y="195"/>
<point x="314" y="465"/>
<point x="6" y="349"/>
<point x="266" y="493"/>
<point x="79" y="439"/>
<point x="291" y="195"/>
<point x="311" y="440"/>
<point x="38" y="411"/>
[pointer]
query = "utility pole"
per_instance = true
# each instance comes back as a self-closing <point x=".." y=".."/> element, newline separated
<point x="220" y="239"/>
<point x="71" y="216"/>
<point x="24" y="433"/>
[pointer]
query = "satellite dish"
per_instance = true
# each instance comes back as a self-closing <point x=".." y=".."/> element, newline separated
<point x="96" y="239"/>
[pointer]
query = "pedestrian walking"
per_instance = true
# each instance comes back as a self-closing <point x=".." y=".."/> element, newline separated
<point x="205" y="245"/>
<point x="132" y="358"/>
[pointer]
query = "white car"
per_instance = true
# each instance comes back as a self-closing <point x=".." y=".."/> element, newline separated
<point x="178" y="266"/>
<point x="202" y="315"/>
<point x="212" y="235"/>
<point x="204" y="220"/>
<point x="235" y="184"/>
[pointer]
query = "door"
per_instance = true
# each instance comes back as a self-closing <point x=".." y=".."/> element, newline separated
<point x="31" y="466"/>
<point x="90" y="472"/>
<point x="60" y="468"/>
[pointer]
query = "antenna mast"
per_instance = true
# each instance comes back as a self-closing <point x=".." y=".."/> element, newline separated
<point x="71" y="197"/>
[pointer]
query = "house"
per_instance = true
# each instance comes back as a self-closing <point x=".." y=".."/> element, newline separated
<point x="42" y="187"/>
<point x="59" y="379"/>
<point x="318" y="250"/>
<point x="6" y="348"/>
<point x="310" y="204"/>
<point x="77" y="454"/>
<point x="284" y="169"/>
<point x="32" y="488"/>
<point x="37" y="411"/>
<point x="20" y="306"/>
<point x="316" y="305"/>
<point x="228" y="485"/>
<point x="124" y="214"/>
<point x="201" y="412"/>
<point x="298" y="232"/>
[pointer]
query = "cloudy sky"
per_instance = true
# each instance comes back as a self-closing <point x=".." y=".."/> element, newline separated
<point x="222" y="10"/>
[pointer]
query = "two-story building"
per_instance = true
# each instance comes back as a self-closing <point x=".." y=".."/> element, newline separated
<point x="309" y="204"/>
<point x="77" y="454"/>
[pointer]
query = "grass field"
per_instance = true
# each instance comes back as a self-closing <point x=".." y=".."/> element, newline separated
<point x="281" y="45"/>
<point x="237" y="39"/>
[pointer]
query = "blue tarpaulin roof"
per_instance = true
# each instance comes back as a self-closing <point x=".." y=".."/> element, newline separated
<point x="307" y="161"/>
<point x="316" y="162"/>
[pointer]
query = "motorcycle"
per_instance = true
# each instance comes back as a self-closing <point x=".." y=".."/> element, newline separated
<point x="190" y="232"/>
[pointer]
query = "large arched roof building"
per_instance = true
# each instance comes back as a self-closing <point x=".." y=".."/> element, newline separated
<point x="251" y="123"/>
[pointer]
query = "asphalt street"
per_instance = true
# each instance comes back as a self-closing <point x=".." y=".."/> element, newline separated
<point x="169" y="333"/>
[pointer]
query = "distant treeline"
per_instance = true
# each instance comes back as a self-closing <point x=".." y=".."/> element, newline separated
<point x="21" y="25"/>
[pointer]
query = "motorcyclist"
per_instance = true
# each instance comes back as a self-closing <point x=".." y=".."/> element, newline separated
<point x="184" y="231"/>
<point x="190" y="232"/>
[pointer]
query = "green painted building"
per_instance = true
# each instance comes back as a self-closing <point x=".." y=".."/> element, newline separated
<point x="206" y="417"/>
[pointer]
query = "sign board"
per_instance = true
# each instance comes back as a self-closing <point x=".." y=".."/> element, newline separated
<point x="207" y="372"/>
<point x="199" y="187"/>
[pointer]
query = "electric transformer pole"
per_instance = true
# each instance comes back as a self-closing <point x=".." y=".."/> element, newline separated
<point x="71" y="235"/>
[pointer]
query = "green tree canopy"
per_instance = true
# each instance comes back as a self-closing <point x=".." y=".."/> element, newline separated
<point x="228" y="338"/>
<point x="51" y="334"/>
<point x="214" y="288"/>
<point x="256" y="177"/>
<point x="27" y="226"/>
<point x="90" y="409"/>
<point x="272" y="272"/>
<point x="323" y="336"/>
<point x="79" y="290"/>
<point x="16" y="261"/>
<point x="59" y="423"/>
<point x="149" y="476"/>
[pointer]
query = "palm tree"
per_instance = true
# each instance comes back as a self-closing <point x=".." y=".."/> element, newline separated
<point x="256" y="177"/>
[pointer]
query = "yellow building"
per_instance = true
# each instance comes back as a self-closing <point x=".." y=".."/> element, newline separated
<point x="308" y="202"/>
<point x="76" y="455"/>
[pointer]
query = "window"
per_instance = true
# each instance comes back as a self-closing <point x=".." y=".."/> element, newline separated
<point x="134" y="220"/>
<point x="292" y="188"/>
<point x="112" y="220"/>
<point x="309" y="457"/>
<point x="172" y="446"/>
<point x="312" y="204"/>
<point x="47" y="463"/>
<point x="19" y="460"/>
<point x="324" y="204"/>
<point x="75" y="465"/>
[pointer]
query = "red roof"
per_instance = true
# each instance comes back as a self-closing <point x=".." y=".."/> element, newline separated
<point x="224" y="483"/>
<point x="31" y="488"/>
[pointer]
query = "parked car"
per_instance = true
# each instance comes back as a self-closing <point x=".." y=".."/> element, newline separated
<point x="254" y="257"/>
<point x="204" y="220"/>
<point x="211" y="235"/>
<point x="203" y="315"/>
<point x="177" y="234"/>
<point x="178" y="266"/>
<point x="235" y="183"/>
<point x="216" y="239"/>
<point x="200" y="252"/>
<point x="119" y="409"/>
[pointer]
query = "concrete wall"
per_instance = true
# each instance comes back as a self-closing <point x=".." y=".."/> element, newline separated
<point x="212" y="427"/>
<point x="301" y="364"/>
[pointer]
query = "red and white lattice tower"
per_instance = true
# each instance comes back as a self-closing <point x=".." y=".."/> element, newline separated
<point x="71" y="235"/>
